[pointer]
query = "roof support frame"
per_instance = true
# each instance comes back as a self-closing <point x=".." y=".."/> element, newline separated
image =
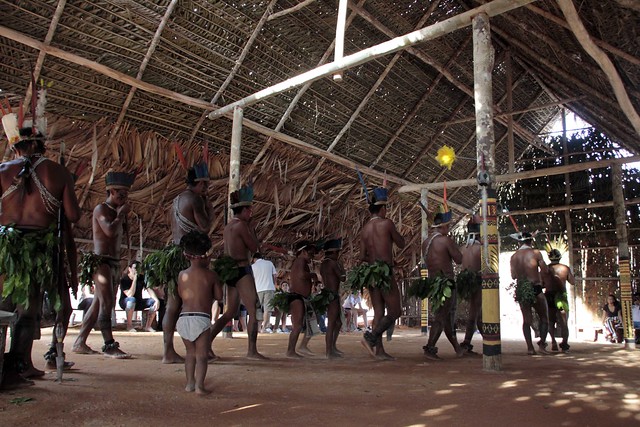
<point x="431" y="32"/>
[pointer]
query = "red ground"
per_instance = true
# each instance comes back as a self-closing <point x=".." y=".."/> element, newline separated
<point x="594" y="385"/>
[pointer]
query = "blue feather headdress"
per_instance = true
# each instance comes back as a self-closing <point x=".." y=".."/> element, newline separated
<point x="242" y="197"/>
<point x="119" y="180"/>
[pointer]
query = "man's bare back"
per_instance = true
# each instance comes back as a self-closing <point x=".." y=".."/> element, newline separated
<point x="30" y="211"/>
<point x="528" y="263"/>
<point x="471" y="257"/>
<point x="197" y="287"/>
<point x="439" y="255"/>
<point x="377" y="239"/>
<point x="194" y="208"/>
<point x="332" y="273"/>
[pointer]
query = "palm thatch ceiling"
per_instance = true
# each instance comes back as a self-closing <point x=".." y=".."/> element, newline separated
<point x="131" y="78"/>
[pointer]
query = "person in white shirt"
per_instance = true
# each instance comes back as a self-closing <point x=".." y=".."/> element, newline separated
<point x="264" y="274"/>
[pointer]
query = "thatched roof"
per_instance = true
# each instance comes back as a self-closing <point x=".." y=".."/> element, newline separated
<point x="133" y="77"/>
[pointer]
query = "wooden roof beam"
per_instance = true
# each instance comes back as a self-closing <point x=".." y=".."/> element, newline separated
<point x="558" y="170"/>
<point x="431" y="32"/>
<point x="236" y="66"/>
<point x="524" y="133"/>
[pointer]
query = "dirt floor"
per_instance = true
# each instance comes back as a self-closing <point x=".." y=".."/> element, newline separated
<point x="595" y="384"/>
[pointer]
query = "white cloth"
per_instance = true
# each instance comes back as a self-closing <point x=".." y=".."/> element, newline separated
<point x="191" y="325"/>
<point x="635" y="313"/>
<point x="263" y="272"/>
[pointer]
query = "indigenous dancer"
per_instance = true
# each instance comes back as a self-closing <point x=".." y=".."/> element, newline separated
<point x="191" y="212"/>
<point x="527" y="266"/>
<point x="198" y="287"/>
<point x="332" y="274"/>
<point x="109" y="222"/>
<point x="240" y="243"/>
<point x="440" y="251"/>
<point x="376" y="242"/>
<point x="556" y="294"/>
<point x="33" y="189"/>
<point x="299" y="304"/>
<point x="469" y="281"/>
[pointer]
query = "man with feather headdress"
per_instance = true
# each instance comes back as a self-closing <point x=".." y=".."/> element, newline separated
<point x="190" y="212"/>
<point x="528" y="268"/>
<point x="376" y="242"/>
<point x="240" y="243"/>
<point x="33" y="190"/>
<point x="556" y="293"/>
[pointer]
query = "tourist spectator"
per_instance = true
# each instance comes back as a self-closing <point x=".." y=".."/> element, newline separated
<point x="131" y="287"/>
<point x="264" y="274"/>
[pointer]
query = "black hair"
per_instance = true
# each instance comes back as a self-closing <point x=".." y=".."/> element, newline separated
<point x="374" y="209"/>
<point x="257" y="255"/>
<point x="238" y="209"/>
<point x="135" y="262"/>
<point x="614" y="298"/>
<point x="191" y="177"/>
<point x="195" y="243"/>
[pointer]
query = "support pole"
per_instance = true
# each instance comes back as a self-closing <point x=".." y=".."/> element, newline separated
<point x="340" y="30"/>
<point x="571" y="291"/>
<point x="234" y="180"/>
<point x="483" y="57"/>
<point x="424" y="306"/>
<point x="620" y="214"/>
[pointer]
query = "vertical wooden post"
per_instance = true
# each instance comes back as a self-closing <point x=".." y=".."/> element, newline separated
<point x="424" y="306"/>
<point x="340" y="30"/>
<point x="483" y="58"/>
<point x="620" y="214"/>
<point x="510" y="141"/>
<point x="234" y="180"/>
<point x="571" y="291"/>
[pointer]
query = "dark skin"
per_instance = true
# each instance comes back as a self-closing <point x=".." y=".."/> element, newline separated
<point x="377" y="238"/>
<point x="332" y="274"/>
<point x="198" y="287"/>
<point x="528" y="263"/>
<point x="301" y="283"/>
<point x="108" y="220"/>
<point x="441" y="253"/>
<point x="240" y="243"/>
<point x="194" y="206"/>
<point x="471" y="260"/>
<point x="27" y="211"/>
<point x="556" y="282"/>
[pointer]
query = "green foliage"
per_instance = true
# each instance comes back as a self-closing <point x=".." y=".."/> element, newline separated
<point x="468" y="283"/>
<point x="436" y="289"/>
<point x="226" y="267"/>
<point x="280" y="302"/>
<point x="376" y="275"/>
<point x="88" y="265"/>
<point x="522" y="290"/>
<point x="162" y="268"/>
<point x="321" y="301"/>
<point x="26" y="261"/>
<point x="562" y="301"/>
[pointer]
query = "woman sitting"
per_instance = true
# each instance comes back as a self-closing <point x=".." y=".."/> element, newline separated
<point x="611" y="317"/>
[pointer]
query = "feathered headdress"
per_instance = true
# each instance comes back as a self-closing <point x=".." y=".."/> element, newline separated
<point x="119" y="180"/>
<point x="19" y="126"/>
<point x="242" y="197"/>
<point x="444" y="214"/>
<point x="379" y="196"/>
<point x="333" y="245"/>
<point x="556" y="248"/>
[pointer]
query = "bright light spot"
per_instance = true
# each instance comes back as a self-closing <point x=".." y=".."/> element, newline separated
<point x="522" y="398"/>
<point x="444" y="391"/>
<point x="574" y="410"/>
<point x="438" y="411"/>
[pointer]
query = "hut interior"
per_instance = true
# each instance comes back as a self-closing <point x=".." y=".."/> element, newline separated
<point x="132" y="82"/>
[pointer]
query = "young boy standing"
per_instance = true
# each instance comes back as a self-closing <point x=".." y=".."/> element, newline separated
<point x="197" y="287"/>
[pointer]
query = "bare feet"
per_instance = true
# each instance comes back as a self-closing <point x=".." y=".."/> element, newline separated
<point x="305" y="351"/>
<point x="542" y="349"/>
<point x="531" y="352"/>
<point x="334" y="355"/>
<point x="340" y="353"/>
<point x="460" y="351"/>
<point x="113" y="351"/>
<point x="202" y="391"/>
<point x="172" y="357"/>
<point x="11" y="380"/>
<point x="190" y="388"/>
<point x="32" y="372"/>
<point x="293" y="355"/>
<point x="83" y="349"/>
<point x="256" y="356"/>
<point x="384" y="356"/>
